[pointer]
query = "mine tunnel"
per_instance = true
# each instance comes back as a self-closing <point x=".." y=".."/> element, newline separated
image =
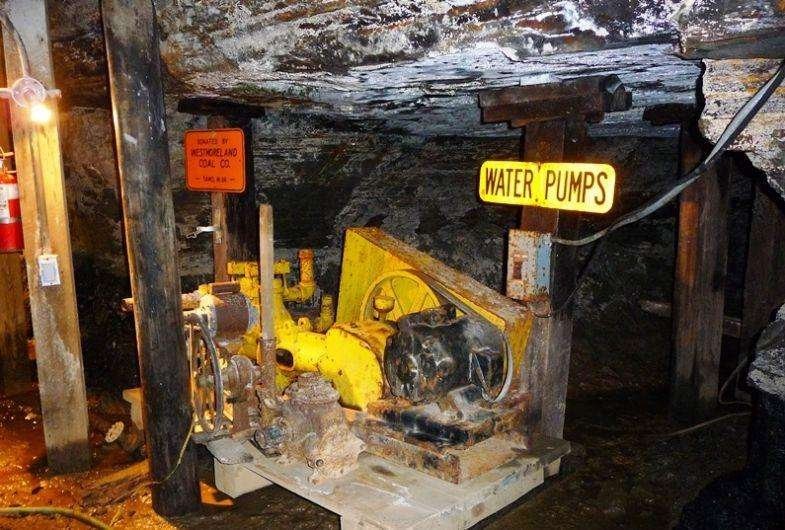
<point x="392" y="264"/>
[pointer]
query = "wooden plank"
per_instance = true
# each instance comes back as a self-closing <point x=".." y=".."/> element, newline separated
<point x="236" y="213"/>
<point x="242" y="219"/>
<point x="137" y="95"/>
<point x="552" y="335"/>
<point x="15" y="373"/>
<point x="731" y="326"/>
<point x="16" y="376"/>
<point x="698" y="300"/>
<point x="583" y="97"/>
<point x="382" y="494"/>
<point x="452" y="465"/>
<point x="45" y="223"/>
<point x="764" y="278"/>
<point x="220" y="247"/>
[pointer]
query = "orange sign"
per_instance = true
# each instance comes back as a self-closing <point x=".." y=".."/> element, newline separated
<point x="215" y="160"/>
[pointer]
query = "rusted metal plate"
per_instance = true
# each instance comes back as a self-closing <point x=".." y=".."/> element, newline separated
<point x="454" y="465"/>
<point x="428" y="426"/>
<point x="529" y="266"/>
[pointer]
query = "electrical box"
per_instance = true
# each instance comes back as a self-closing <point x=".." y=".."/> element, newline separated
<point x="529" y="265"/>
<point x="48" y="270"/>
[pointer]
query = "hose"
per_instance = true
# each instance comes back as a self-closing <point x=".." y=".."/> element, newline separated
<point x="51" y="511"/>
<point x="739" y="122"/>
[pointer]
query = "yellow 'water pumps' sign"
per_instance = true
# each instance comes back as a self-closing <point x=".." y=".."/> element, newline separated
<point x="562" y="185"/>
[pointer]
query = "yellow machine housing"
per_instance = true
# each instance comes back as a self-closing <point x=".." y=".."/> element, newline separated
<point x="375" y="262"/>
<point x="382" y="279"/>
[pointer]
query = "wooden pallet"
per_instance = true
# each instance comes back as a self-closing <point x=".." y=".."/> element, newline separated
<point x="383" y="495"/>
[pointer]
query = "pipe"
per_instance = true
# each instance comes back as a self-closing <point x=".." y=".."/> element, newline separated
<point x="326" y="315"/>
<point x="265" y="356"/>
<point x="305" y="289"/>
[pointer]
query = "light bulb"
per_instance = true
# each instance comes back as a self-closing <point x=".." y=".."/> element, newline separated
<point x="40" y="113"/>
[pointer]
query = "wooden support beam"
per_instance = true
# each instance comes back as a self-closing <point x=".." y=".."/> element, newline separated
<point x="218" y="218"/>
<point x="45" y="223"/>
<point x="15" y="373"/>
<point x="586" y="98"/>
<point x="235" y="213"/>
<point x="220" y="246"/>
<point x="242" y="213"/>
<point x="137" y="94"/>
<point x="13" y="327"/>
<point x="551" y="113"/>
<point x="544" y="141"/>
<point x="698" y="300"/>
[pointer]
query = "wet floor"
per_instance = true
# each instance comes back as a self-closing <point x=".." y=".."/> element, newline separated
<point x="622" y="474"/>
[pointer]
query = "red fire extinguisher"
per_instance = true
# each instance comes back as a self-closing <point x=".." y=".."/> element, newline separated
<point x="10" y="213"/>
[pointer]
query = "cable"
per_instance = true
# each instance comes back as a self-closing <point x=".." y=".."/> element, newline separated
<point x="705" y="424"/>
<point x="180" y="454"/>
<point x="51" y="511"/>
<point x="740" y="120"/>
<point x="732" y="375"/>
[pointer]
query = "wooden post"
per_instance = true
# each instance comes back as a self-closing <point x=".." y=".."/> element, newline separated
<point x="45" y="223"/>
<point x="242" y="217"/>
<point x="698" y="300"/>
<point x="220" y="246"/>
<point x="143" y="159"/>
<point x="764" y="278"/>
<point x="15" y="366"/>
<point x="218" y="209"/>
<point x="13" y="327"/>
<point x="550" y="112"/>
<point x="544" y="142"/>
<point x="235" y="213"/>
<point x="265" y="356"/>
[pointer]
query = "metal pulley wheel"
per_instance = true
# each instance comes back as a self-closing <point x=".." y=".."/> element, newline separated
<point x="206" y="382"/>
<point x="395" y="294"/>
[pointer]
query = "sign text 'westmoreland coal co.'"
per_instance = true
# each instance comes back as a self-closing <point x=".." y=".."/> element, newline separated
<point x="565" y="186"/>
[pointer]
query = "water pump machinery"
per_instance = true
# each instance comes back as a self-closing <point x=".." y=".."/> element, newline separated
<point x="417" y="364"/>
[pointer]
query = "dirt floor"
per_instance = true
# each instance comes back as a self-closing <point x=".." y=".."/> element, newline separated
<point x="622" y="473"/>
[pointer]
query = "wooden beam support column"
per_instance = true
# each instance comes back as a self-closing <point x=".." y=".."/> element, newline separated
<point x="220" y="246"/>
<point x="13" y="327"/>
<point x="143" y="159"/>
<point x="550" y="113"/>
<point x="15" y="373"/>
<point x="544" y="142"/>
<point x="45" y="223"/>
<point x="235" y="213"/>
<point x="699" y="297"/>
